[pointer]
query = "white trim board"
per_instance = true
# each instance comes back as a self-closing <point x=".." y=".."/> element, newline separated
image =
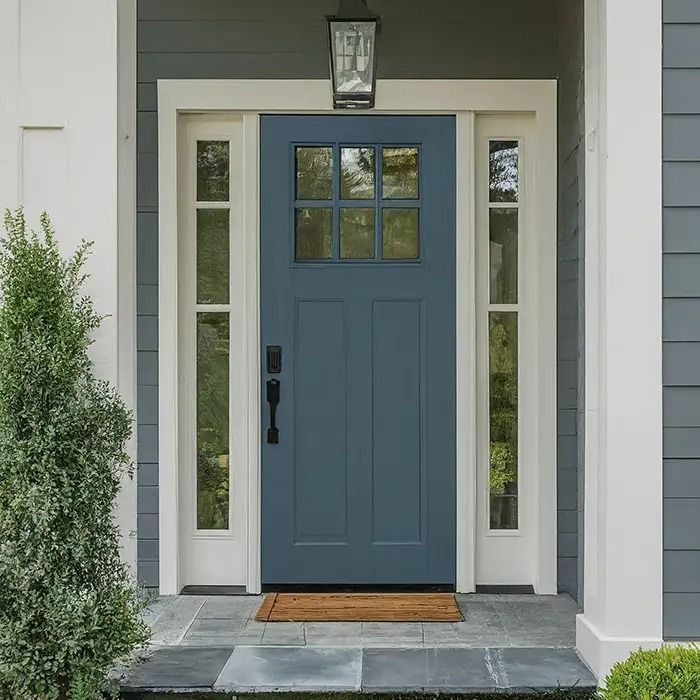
<point x="250" y="98"/>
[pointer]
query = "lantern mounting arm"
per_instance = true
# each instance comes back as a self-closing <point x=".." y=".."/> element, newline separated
<point x="355" y="9"/>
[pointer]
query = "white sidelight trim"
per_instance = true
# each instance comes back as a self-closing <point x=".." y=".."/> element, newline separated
<point x="465" y="376"/>
<point x="251" y="254"/>
<point x="526" y="555"/>
<point x="623" y="557"/>
<point x="210" y="556"/>
<point x="250" y="98"/>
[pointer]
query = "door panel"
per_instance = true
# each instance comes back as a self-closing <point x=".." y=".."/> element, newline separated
<point x="320" y="429"/>
<point x="358" y="288"/>
<point x="396" y="459"/>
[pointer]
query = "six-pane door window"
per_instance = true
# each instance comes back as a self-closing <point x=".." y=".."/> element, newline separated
<point x="357" y="203"/>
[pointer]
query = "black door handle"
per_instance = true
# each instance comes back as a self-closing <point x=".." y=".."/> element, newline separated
<point x="273" y="398"/>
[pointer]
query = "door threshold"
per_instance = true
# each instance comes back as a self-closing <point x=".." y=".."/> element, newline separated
<point x="213" y="590"/>
<point x="357" y="588"/>
<point x="506" y="590"/>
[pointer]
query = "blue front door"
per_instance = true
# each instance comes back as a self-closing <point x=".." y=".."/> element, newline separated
<point x="358" y="316"/>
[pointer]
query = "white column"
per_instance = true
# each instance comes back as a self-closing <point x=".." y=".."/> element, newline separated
<point x="60" y="151"/>
<point x="623" y="532"/>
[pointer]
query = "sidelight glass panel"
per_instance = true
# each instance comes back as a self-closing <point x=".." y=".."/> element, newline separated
<point x="212" y="256"/>
<point x="399" y="234"/>
<point x="357" y="233"/>
<point x="503" y="171"/>
<point x="314" y="168"/>
<point x="400" y="172"/>
<point x="212" y="171"/>
<point x="357" y="173"/>
<point x="212" y="421"/>
<point x="503" y="420"/>
<point x="314" y="233"/>
<point x="503" y="255"/>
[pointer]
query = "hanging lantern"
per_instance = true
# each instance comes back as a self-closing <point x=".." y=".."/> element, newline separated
<point x="353" y="41"/>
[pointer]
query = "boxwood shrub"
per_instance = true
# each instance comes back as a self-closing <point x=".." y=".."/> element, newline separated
<point x="68" y="607"/>
<point x="668" y="673"/>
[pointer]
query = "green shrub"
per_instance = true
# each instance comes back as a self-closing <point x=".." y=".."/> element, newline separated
<point x="68" y="609"/>
<point x="669" y="673"/>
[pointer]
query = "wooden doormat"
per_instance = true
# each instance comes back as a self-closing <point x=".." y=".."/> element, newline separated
<point x="359" y="607"/>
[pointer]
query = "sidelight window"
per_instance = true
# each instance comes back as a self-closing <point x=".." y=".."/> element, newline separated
<point x="503" y="321"/>
<point x="212" y="310"/>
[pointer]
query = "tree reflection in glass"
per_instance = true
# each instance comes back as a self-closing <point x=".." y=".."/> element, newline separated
<point x="356" y="233"/>
<point x="314" y="166"/>
<point x="503" y="171"/>
<point x="503" y="255"/>
<point x="212" y="421"/>
<point x="212" y="256"/>
<point x="212" y="171"/>
<point x="399" y="172"/>
<point x="314" y="233"/>
<point x="399" y="234"/>
<point x="357" y="173"/>
<point x="503" y="420"/>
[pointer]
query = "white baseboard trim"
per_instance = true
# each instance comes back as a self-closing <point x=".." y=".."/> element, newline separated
<point x="601" y="652"/>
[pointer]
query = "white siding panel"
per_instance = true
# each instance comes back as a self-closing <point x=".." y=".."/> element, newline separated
<point x="43" y="176"/>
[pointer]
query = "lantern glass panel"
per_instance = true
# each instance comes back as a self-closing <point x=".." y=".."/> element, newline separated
<point x="353" y="44"/>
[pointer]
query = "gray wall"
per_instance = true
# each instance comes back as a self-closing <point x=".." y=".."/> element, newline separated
<point x="284" y="39"/>
<point x="681" y="318"/>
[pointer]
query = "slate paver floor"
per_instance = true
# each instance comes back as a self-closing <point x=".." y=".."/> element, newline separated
<point x="505" y="643"/>
<point x="490" y="621"/>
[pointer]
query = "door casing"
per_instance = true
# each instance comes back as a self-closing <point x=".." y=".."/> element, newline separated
<point x="461" y="98"/>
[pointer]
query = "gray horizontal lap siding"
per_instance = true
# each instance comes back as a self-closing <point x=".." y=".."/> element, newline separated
<point x="282" y="39"/>
<point x="681" y="318"/>
<point x="570" y="407"/>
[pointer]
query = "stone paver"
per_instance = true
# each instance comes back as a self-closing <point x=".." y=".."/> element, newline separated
<point x="252" y="669"/>
<point x="525" y="670"/>
<point x="178" y="667"/>
<point x="175" y="619"/>
<point x="284" y="633"/>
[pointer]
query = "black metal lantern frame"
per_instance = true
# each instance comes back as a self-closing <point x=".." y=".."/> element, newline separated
<point x="352" y="35"/>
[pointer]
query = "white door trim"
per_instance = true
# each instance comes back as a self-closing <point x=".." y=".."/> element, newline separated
<point x="251" y="98"/>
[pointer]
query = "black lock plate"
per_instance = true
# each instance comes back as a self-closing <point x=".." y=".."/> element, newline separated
<point x="274" y="359"/>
